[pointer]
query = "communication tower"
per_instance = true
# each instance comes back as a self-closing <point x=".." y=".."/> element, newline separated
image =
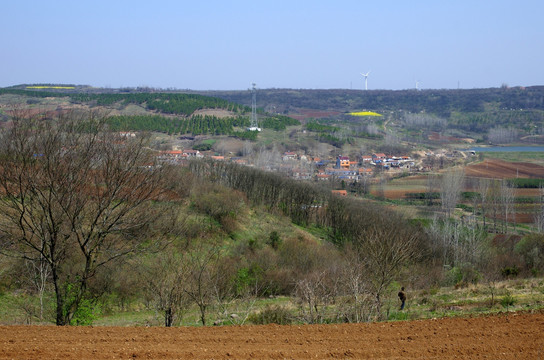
<point x="254" y="123"/>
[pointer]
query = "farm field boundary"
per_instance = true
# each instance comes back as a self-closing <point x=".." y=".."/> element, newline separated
<point x="503" y="336"/>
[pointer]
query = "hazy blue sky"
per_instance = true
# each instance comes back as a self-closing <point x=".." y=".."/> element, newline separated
<point x="221" y="44"/>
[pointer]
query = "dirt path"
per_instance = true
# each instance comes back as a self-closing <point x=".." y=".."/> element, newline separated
<point x="516" y="336"/>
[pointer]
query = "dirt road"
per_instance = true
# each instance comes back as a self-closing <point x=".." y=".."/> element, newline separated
<point x="516" y="336"/>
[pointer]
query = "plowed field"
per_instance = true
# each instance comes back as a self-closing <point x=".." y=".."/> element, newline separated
<point x="498" y="169"/>
<point x="514" y="336"/>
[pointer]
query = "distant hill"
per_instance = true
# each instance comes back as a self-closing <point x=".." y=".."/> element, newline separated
<point x="436" y="101"/>
<point x="439" y="102"/>
<point x="148" y="110"/>
<point x="412" y="114"/>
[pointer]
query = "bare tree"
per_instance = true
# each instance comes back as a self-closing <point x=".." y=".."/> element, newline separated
<point x="494" y="201"/>
<point x="430" y="188"/>
<point x="39" y="271"/>
<point x="507" y="195"/>
<point x="267" y="159"/>
<point x="539" y="217"/>
<point x="220" y="147"/>
<point x="424" y="121"/>
<point x="372" y="129"/>
<point x="380" y="185"/>
<point x="202" y="276"/>
<point x="470" y="249"/>
<point x="386" y="249"/>
<point x="500" y="135"/>
<point x="441" y="238"/>
<point x="322" y="150"/>
<point x="247" y="148"/>
<point x="483" y="190"/>
<point x="165" y="276"/>
<point x="314" y="291"/>
<point x="75" y="196"/>
<point x="452" y="183"/>
<point x="354" y="281"/>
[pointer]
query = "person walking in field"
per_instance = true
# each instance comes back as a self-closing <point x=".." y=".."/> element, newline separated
<point x="402" y="297"/>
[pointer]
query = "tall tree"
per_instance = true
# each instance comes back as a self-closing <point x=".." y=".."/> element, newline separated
<point x="507" y="198"/>
<point x="385" y="250"/>
<point x="202" y="275"/>
<point x="452" y="183"/>
<point x="539" y="216"/>
<point x="165" y="276"/>
<point x="483" y="190"/>
<point x="75" y="196"/>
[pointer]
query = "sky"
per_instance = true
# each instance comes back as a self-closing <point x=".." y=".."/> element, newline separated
<point x="230" y="44"/>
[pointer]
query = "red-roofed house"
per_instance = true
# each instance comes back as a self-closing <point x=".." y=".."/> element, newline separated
<point x="289" y="156"/>
<point x="378" y="156"/>
<point x="173" y="156"/>
<point x="192" y="153"/>
<point x="365" y="171"/>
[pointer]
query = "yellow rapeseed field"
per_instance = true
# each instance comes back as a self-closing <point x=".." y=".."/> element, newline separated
<point x="50" y="87"/>
<point x="365" y="113"/>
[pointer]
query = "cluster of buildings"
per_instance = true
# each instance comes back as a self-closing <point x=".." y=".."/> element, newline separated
<point x="387" y="162"/>
<point x="304" y="167"/>
<point x="178" y="156"/>
<point x="346" y="169"/>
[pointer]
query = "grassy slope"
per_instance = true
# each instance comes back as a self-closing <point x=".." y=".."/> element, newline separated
<point x="532" y="157"/>
<point x="526" y="294"/>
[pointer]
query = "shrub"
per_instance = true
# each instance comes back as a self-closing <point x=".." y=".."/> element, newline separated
<point x="531" y="249"/>
<point x="272" y="314"/>
<point x="221" y="204"/>
<point x="526" y="183"/>
<point x="247" y="278"/>
<point x="86" y="313"/>
<point x="460" y="276"/>
<point x="509" y="271"/>
<point x="274" y="240"/>
<point x="507" y="301"/>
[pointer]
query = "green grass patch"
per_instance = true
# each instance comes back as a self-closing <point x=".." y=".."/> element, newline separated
<point x="522" y="156"/>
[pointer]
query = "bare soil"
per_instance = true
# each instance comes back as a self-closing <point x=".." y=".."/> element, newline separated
<point x="505" y="336"/>
<point x="394" y="194"/>
<point x="303" y="114"/>
<point x="498" y="169"/>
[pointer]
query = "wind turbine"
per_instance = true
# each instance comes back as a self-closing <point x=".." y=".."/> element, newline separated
<point x="366" y="79"/>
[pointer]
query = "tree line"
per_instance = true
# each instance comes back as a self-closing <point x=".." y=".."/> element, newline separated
<point x="440" y="102"/>
<point x="168" y="103"/>
<point x="345" y="219"/>
<point x="196" y="124"/>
